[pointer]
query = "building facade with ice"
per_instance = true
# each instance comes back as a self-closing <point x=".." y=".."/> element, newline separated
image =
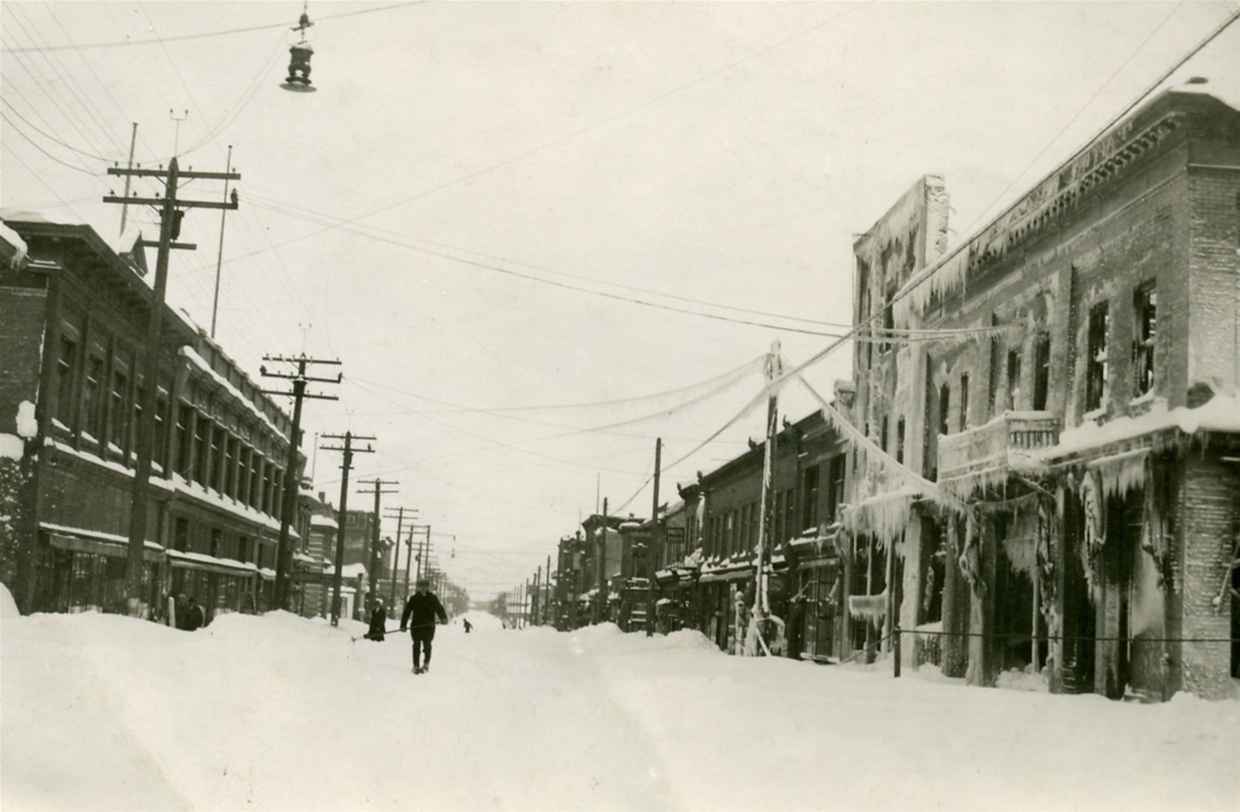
<point x="1049" y="417"/>
<point x="74" y="328"/>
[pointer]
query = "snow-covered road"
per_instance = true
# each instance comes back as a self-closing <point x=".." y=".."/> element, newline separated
<point x="276" y="712"/>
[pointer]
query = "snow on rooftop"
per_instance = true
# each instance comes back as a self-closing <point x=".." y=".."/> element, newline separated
<point x="1220" y="414"/>
<point x="14" y="239"/>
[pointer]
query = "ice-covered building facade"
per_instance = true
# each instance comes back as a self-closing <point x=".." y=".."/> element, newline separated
<point x="73" y="318"/>
<point x="1053" y="417"/>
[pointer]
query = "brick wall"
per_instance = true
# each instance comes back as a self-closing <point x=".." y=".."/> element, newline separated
<point x="1213" y="350"/>
<point x="1207" y="502"/>
<point x="21" y="337"/>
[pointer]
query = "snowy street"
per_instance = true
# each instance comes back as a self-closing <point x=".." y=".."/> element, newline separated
<point x="278" y="712"/>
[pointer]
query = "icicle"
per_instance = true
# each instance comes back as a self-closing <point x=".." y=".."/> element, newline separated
<point x="1121" y="473"/>
<point x="873" y="607"/>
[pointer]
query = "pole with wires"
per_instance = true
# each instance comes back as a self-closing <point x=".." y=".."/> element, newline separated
<point x="759" y="616"/>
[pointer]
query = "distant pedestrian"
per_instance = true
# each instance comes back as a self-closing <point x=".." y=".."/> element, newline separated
<point x="419" y="618"/>
<point x="180" y="611"/>
<point x="378" y="622"/>
<point x="194" y="616"/>
<point x="468" y="625"/>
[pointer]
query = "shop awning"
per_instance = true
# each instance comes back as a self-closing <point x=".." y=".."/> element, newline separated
<point x="726" y="575"/>
<point x="209" y="563"/>
<point x="80" y="540"/>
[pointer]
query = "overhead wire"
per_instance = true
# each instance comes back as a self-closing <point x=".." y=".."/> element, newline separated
<point x="323" y="218"/>
<point x="93" y="122"/>
<point x="403" y="243"/>
<point x="208" y="34"/>
<point x="588" y="128"/>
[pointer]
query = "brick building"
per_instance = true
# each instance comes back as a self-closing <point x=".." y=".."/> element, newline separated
<point x="74" y="326"/>
<point x="1053" y="416"/>
<point x="808" y="481"/>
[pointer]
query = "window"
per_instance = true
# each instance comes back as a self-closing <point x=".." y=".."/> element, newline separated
<point x="217" y="535"/>
<point x="180" y="538"/>
<point x="218" y="438"/>
<point x="835" y="483"/>
<point x="809" y="515"/>
<point x="964" y="401"/>
<point x="1145" y="307"/>
<point x="185" y="440"/>
<point x="994" y="372"/>
<point x="201" y="428"/>
<point x="1041" y="372"/>
<point x="1013" y="379"/>
<point x="1097" y="369"/>
<point x="790" y="514"/>
<point x="160" y="454"/>
<point x="117" y="414"/>
<point x="64" y="380"/>
<point x="93" y="404"/>
<point x="945" y="408"/>
<point x="882" y="436"/>
<point x="243" y="549"/>
<point x="900" y="440"/>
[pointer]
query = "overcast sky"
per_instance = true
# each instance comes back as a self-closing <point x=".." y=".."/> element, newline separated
<point x="465" y="210"/>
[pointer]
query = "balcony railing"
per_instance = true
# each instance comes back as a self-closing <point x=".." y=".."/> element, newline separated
<point x="981" y="453"/>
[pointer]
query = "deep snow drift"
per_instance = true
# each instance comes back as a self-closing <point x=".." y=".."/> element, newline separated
<point x="278" y="712"/>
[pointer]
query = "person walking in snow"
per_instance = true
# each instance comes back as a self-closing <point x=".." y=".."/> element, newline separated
<point x="378" y="622"/>
<point x="419" y="618"/>
<point x="468" y="625"/>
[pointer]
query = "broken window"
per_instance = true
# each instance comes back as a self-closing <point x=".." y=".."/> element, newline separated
<point x="1013" y="379"/>
<point x="1097" y="369"/>
<point x="1145" y="307"/>
<point x="1041" y="372"/>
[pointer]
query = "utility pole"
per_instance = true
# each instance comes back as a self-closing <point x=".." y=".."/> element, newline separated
<point x="400" y="526"/>
<point x="408" y="558"/>
<point x="374" y="559"/>
<point x="219" y="256"/>
<point x="653" y="552"/>
<point x="424" y="551"/>
<point x="288" y="510"/>
<point x="535" y="609"/>
<point x="171" y="212"/>
<point x="602" y="567"/>
<point x="133" y="140"/>
<point x="761" y="601"/>
<point x="348" y="437"/>
<point x="548" y="590"/>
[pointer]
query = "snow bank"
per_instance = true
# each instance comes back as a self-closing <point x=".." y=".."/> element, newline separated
<point x="8" y="606"/>
<point x="279" y="712"/>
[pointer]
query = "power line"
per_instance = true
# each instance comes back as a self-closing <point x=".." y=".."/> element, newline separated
<point x="53" y="138"/>
<point x="32" y="142"/>
<point x="183" y="37"/>
<point x="328" y="219"/>
<point x="358" y="230"/>
<point x="583" y="130"/>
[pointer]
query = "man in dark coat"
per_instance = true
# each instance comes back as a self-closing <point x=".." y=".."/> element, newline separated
<point x="419" y="618"/>
<point x="194" y="617"/>
<point x="378" y="622"/>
